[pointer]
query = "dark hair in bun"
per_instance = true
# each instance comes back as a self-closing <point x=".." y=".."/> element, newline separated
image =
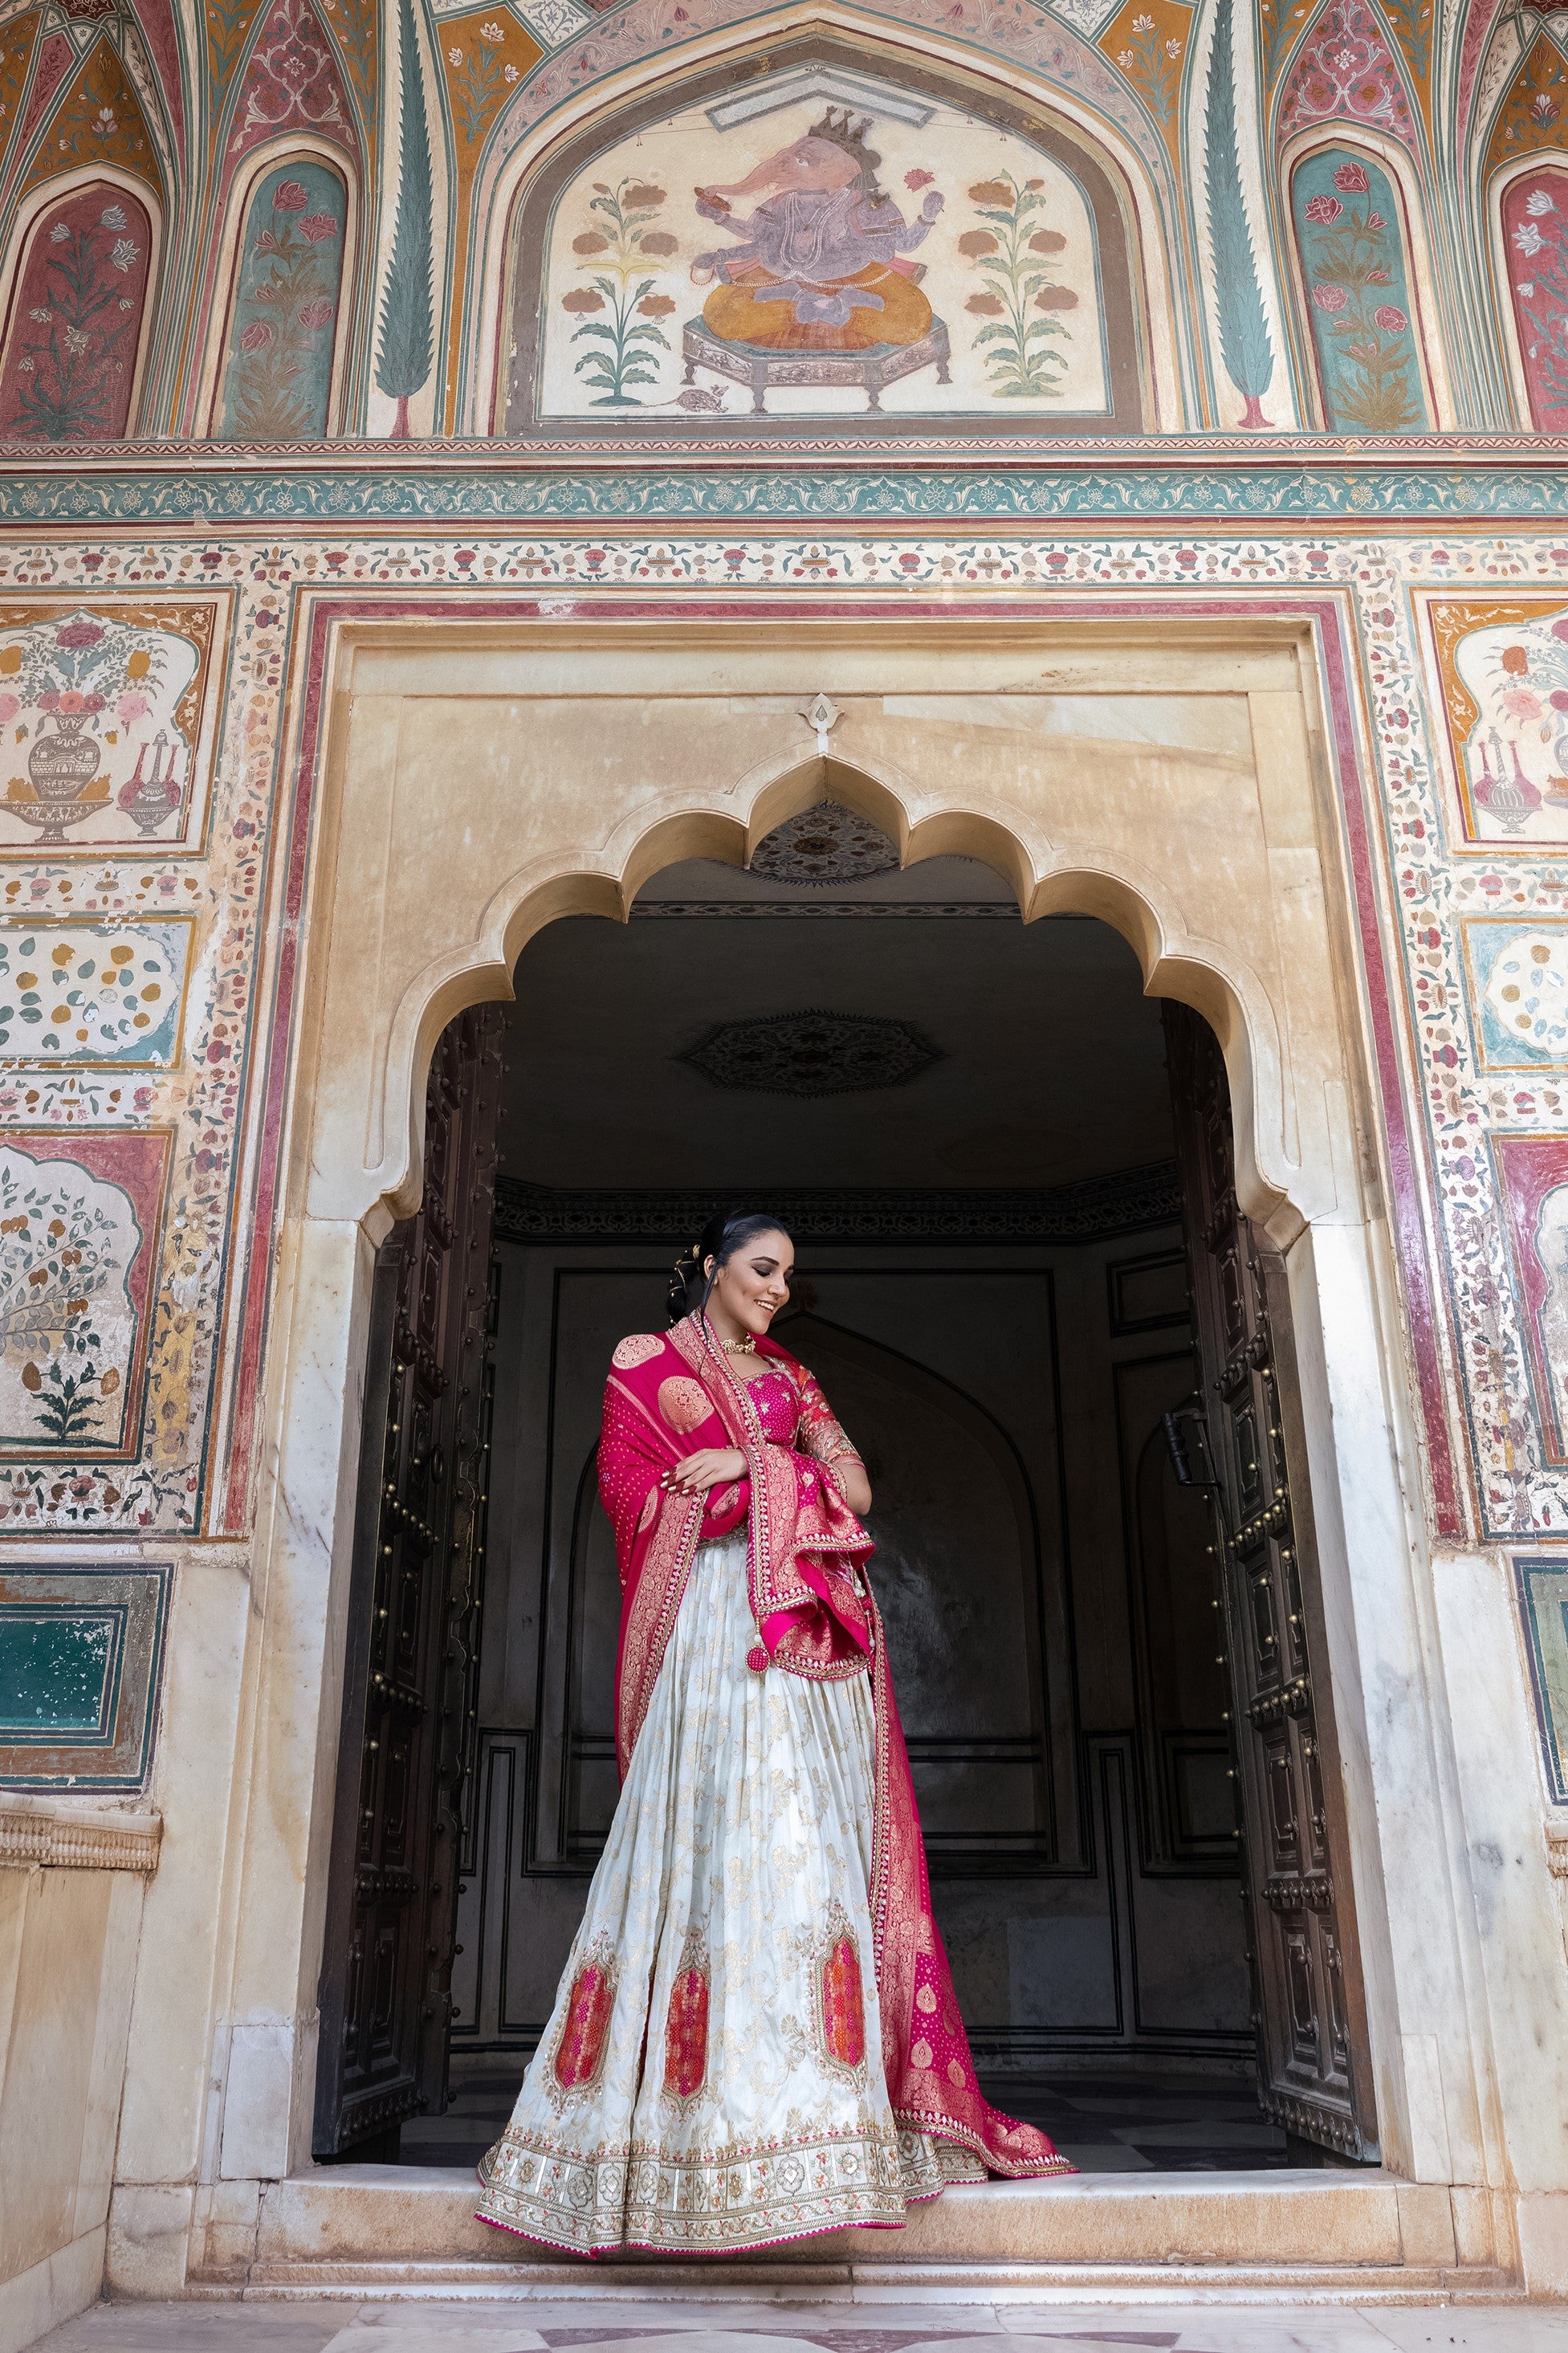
<point x="726" y="1231"/>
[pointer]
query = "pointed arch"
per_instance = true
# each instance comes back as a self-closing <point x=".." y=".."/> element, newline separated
<point x="1527" y="220"/>
<point x="1135" y="200"/>
<point x="278" y="347"/>
<point x="77" y="298"/>
<point x="98" y="120"/>
<point x="1346" y="71"/>
<point x="1359" y="263"/>
<point x="293" y="81"/>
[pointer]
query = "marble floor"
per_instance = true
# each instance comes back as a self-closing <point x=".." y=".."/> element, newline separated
<point x="1116" y="2122"/>
<point x="670" y="2328"/>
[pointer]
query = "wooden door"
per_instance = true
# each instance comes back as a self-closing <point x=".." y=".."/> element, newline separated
<point x="408" y="1696"/>
<point x="1314" y="2076"/>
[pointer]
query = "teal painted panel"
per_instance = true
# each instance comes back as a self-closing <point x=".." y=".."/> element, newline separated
<point x="81" y="1653"/>
<point x="1349" y="222"/>
<point x="1542" y="1587"/>
<point x="278" y="376"/>
<point x="60" y="1671"/>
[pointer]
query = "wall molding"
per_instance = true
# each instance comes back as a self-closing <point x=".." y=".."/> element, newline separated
<point x="1128" y="1201"/>
<point x="1456" y="477"/>
<point x="55" y="1834"/>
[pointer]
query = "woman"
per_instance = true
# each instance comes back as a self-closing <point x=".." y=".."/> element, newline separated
<point x="757" y="2036"/>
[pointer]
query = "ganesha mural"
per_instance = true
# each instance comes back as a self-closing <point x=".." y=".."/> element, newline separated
<point x="819" y="245"/>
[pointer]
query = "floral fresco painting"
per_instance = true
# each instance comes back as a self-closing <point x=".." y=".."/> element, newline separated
<point x="795" y="257"/>
<point x="1535" y="236"/>
<point x="69" y="363"/>
<point x="1502" y="671"/>
<point x="1532" y="1183"/>
<point x="277" y="377"/>
<point x="1355" y="272"/>
<point x="106" y="720"/>
<point x="78" y="1235"/>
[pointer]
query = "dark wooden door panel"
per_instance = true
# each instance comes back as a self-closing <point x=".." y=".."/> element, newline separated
<point x="409" y="1701"/>
<point x="1314" y="2076"/>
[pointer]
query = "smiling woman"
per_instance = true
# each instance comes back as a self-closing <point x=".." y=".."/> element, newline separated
<point x="775" y="1925"/>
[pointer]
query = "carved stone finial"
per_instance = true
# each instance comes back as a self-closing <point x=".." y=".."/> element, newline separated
<point x="824" y="715"/>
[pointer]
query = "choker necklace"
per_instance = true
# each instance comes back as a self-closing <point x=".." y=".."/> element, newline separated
<point x="746" y="1346"/>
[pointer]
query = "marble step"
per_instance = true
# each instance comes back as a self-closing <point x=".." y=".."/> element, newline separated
<point x="1330" y="2236"/>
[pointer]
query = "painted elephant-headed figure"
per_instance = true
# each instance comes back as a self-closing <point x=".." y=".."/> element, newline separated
<point x="818" y="266"/>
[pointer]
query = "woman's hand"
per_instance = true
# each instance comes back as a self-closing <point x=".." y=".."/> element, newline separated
<point x="710" y="1466"/>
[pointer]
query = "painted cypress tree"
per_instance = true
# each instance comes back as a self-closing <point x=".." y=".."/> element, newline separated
<point x="1243" y="329"/>
<point x="402" y="359"/>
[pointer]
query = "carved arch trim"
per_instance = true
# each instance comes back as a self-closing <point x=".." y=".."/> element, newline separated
<point x="1131" y="220"/>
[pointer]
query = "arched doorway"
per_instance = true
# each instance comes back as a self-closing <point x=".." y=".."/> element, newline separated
<point x="1031" y="1293"/>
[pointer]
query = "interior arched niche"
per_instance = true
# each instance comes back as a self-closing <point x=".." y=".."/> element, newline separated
<point x="1079" y="299"/>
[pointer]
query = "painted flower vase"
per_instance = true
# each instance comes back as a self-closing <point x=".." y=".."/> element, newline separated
<point x="63" y="764"/>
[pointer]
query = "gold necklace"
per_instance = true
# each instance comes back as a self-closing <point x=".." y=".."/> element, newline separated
<point x="744" y="1346"/>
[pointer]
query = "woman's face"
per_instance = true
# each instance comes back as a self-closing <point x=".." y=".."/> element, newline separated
<point x="753" y="1282"/>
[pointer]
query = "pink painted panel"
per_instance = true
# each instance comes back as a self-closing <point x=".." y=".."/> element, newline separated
<point x="1535" y="231"/>
<point x="69" y="363"/>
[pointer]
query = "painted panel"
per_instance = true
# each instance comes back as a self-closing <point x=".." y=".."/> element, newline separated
<point x="1541" y="1585"/>
<point x="1349" y="223"/>
<point x="69" y="363"/>
<point x="1517" y="981"/>
<point x="1532" y="1188"/>
<point x="1500" y="668"/>
<point x="1536" y="233"/>
<point x="81" y="1660"/>
<point x="101" y="995"/>
<point x="79" y="1222"/>
<point x="783" y="254"/>
<point x="108" y="710"/>
<point x="278" y="374"/>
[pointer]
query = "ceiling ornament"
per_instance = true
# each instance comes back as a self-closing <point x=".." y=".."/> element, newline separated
<point x="829" y="843"/>
<point x="812" y="1054"/>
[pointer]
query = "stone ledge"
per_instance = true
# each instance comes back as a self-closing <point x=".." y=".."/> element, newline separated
<point x="409" y="2216"/>
<point x="60" y="1833"/>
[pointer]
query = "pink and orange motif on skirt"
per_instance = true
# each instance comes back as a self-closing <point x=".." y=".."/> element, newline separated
<point x="686" y="2034"/>
<point x="843" y="2003"/>
<point x="581" y="2049"/>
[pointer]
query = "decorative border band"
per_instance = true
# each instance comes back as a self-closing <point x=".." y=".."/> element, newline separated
<point x="1126" y="1202"/>
<point x="89" y="1840"/>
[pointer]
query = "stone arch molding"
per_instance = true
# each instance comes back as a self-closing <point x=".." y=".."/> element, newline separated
<point x="1180" y="819"/>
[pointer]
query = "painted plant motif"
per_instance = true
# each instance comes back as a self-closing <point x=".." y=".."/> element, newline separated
<point x="624" y="253"/>
<point x="1353" y="263"/>
<point x="70" y="363"/>
<point x="68" y="1327"/>
<point x="1535" y="224"/>
<point x="1015" y="257"/>
<point x="103" y="705"/>
<point x="278" y="374"/>
<point x="1517" y="755"/>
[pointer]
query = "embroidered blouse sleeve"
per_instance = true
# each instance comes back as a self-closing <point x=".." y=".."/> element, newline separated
<point x="819" y="1433"/>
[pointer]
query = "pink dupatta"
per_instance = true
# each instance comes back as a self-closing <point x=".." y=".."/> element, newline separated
<point x="666" y="1397"/>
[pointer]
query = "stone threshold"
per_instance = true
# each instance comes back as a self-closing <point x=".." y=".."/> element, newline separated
<point x="1329" y="2237"/>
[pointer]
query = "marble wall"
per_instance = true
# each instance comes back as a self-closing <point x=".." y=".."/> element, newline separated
<point x="1305" y="758"/>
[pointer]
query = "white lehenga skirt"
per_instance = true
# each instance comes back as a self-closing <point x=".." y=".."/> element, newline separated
<point x="710" y="2078"/>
